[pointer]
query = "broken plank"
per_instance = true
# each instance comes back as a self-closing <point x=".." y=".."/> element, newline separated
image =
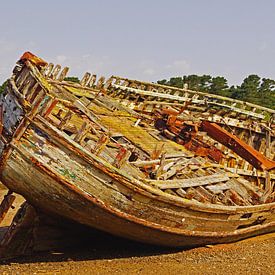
<point x="184" y="183"/>
<point x="218" y="188"/>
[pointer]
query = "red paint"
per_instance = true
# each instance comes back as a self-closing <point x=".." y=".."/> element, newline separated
<point x="245" y="151"/>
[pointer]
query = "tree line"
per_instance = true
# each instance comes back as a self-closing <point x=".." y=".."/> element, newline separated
<point x="253" y="89"/>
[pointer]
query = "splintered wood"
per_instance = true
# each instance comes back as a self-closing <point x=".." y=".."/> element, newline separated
<point x="184" y="183"/>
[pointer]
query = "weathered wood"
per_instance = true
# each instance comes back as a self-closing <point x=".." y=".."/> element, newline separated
<point x="176" y="167"/>
<point x="167" y="88"/>
<point x="1" y="119"/>
<point x="55" y="72"/>
<point x="85" y="79"/>
<point x="184" y="183"/>
<point x="65" y="120"/>
<point x="218" y="188"/>
<point x="6" y="204"/>
<point x="18" y="238"/>
<point x="73" y="173"/>
<point x="63" y="74"/>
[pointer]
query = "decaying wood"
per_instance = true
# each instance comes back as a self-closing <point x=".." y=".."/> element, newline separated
<point x="99" y="163"/>
<point x="184" y="183"/>
<point x="32" y="231"/>
<point x="6" y="204"/>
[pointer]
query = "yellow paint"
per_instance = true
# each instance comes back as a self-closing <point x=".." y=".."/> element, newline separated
<point x="79" y="92"/>
<point x="138" y="135"/>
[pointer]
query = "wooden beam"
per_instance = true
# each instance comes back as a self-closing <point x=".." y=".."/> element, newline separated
<point x="184" y="183"/>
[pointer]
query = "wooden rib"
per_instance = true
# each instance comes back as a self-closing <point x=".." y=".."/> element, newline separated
<point x="85" y="79"/>
<point x="63" y="74"/>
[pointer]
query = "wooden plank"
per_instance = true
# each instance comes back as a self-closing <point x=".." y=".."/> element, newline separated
<point x="89" y="114"/>
<point x="156" y="94"/>
<point x="184" y="183"/>
<point x="63" y="74"/>
<point x="218" y="188"/>
<point x="176" y="166"/>
<point x="85" y="79"/>
<point x="6" y="204"/>
<point x="238" y="110"/>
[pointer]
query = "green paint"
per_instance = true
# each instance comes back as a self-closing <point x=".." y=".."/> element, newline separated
<point x="67" y="173"/>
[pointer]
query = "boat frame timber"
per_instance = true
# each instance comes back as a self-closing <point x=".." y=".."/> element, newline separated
<point x="252" y="123"/>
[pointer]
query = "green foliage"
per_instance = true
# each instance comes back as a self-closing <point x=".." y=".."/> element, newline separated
<point x="3" y="86"/>
<point x="218" y="85"/>
<point x="205" y="83"/>
<point x="162" y="82"/>
<point x="253" y="89"/>
<point x="248" y="91"/>
<point x="72" y="79"/>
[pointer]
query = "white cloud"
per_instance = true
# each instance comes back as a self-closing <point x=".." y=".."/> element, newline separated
<point x="149" y="71"/>
<point x="61" y="58"/>
<point x="179" y="65"/>
<point x="79" y="64"/>
<point x="263" y="46"/>
<point x="6" y="47"/>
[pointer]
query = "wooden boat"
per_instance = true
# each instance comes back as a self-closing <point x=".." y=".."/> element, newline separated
<point x="74" y="152"/>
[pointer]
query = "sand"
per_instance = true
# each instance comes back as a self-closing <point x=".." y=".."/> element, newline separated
<point x="110" y="255"/>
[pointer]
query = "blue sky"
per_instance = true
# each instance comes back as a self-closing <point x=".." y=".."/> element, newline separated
<point x="146" y="40"/>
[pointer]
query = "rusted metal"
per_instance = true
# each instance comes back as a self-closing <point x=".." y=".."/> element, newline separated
<point x="185" y="133"/>
<point x="34" y="59"/>
<point x="238" y="146"/>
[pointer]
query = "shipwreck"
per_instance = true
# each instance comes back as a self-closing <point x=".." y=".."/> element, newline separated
<point x="143" y="161"/>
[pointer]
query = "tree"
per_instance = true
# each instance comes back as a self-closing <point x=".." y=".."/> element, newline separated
<point x="205" y="82"/>
<point x="218" y="85"/>
<point x="193" y="81"/>
<point x="3" y="86"/>
<point x="176" y="82"/>
<point x="266" y="93"/>
<point x="248" y="91"/>
<point x="162" y="82"/>
<point x="267" y="86"/>
<point x="72" y="79"/>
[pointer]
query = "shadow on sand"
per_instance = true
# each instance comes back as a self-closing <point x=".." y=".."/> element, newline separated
<point x="95" y="246"/>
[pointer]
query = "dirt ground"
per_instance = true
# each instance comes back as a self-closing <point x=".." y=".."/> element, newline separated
<point x="109" y="255"/>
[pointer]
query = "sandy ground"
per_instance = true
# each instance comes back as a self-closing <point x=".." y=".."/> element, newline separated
<point x="110" y="255"/>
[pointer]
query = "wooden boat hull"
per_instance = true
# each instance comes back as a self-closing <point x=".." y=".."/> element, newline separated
<point x="59" y="175"/>
<point x="102" y="202"/>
